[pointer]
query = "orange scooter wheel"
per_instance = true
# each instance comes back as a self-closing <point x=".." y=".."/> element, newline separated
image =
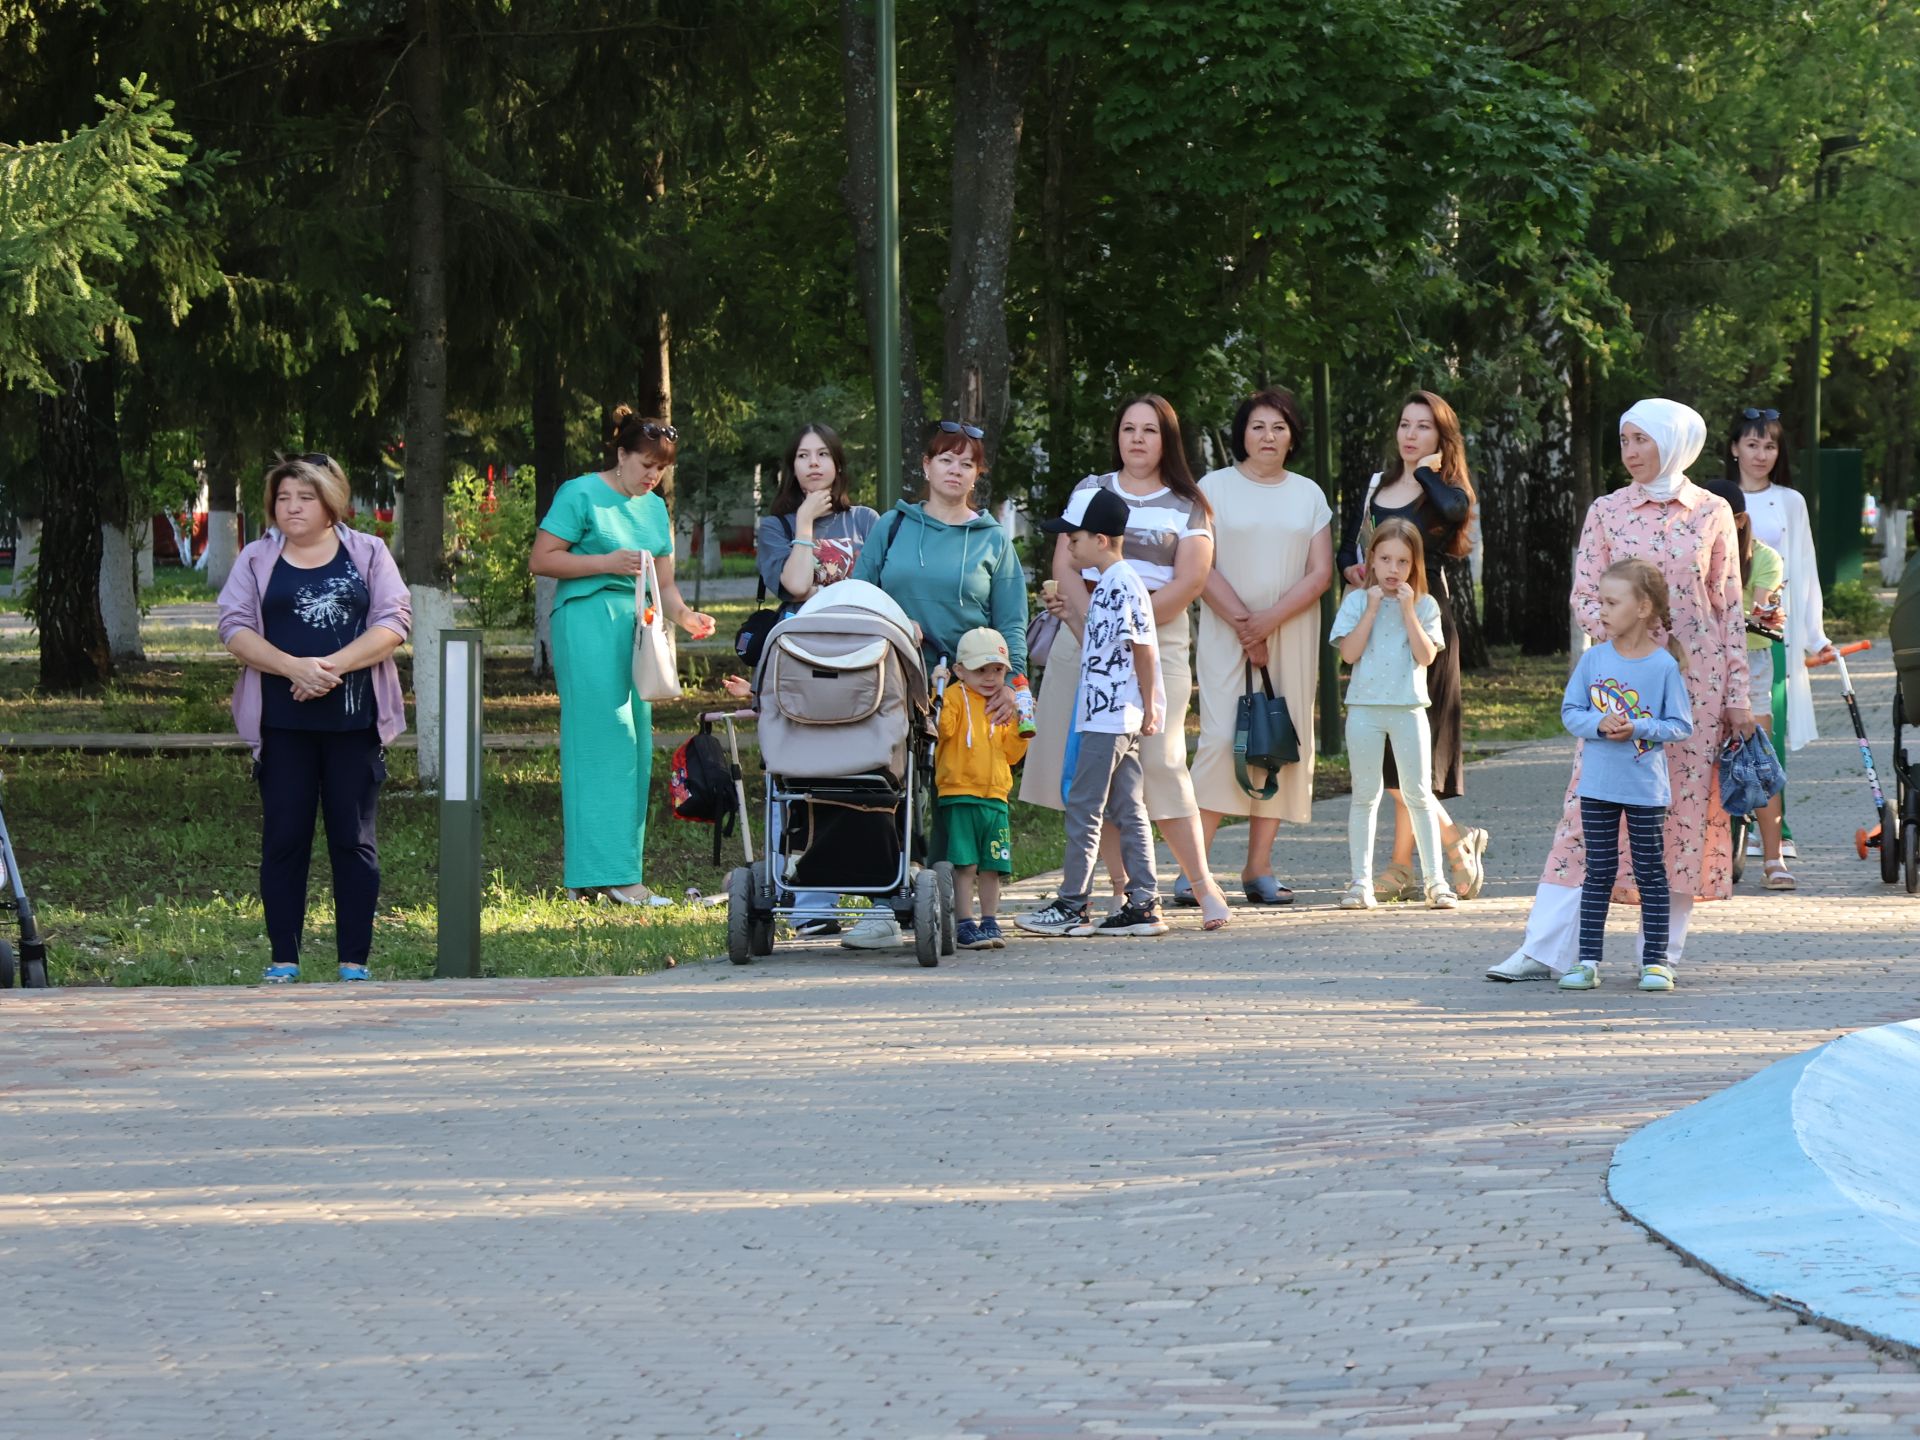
<point x="1861" y="840"/>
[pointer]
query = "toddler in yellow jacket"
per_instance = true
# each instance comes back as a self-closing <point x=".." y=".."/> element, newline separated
<point x="973" y="774"/>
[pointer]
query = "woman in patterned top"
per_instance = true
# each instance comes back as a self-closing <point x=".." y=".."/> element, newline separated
<point x="1169" y="543"/>
<point x="314" y="610"/>
<point x="1689" y="537"/>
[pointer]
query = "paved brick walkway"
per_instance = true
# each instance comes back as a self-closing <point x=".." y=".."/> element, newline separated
<point x="1313" y="1177"/>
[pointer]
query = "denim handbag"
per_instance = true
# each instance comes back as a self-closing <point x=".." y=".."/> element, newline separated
<point x="1263" y="735"/>
<point x="1750" y="773"/>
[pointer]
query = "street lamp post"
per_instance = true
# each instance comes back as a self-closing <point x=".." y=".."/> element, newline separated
<point x="886" y="357"/>
<point x="1822" y="177"/>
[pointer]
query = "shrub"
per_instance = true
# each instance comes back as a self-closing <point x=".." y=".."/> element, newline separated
<point x="1854" y="609"/>
<point x="490" y="544"/>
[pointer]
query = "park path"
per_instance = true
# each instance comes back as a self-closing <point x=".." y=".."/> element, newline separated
<point x="1311" y="1177"/>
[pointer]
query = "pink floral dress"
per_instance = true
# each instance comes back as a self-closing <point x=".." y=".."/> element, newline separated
<point x="1691" y="539"/>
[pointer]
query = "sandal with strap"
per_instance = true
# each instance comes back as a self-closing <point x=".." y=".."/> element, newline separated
<point x="1396" y="882"/>
<point x="1265" y="890"/>
<point x="1467" y="864"/>
<point x="1778" y="876"/>
<point x="1213" y="911"/>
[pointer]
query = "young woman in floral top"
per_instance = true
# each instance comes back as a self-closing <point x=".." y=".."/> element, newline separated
<point x="1689" y="535"/>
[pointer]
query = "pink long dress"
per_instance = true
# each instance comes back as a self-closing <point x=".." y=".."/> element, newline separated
<point x="1691" y="538"/>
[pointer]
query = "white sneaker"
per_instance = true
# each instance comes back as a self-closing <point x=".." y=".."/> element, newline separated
<point x="876" y="931"/>
<point x="1440" y="896"/>
<point x="1581" y="977"/>
<point x="1359" y="896"/>
<point x="1520" y="967"/>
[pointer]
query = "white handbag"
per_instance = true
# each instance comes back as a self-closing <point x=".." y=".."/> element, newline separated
<point x="656" y="669"/>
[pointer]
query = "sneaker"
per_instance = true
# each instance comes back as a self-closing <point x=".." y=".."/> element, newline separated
<point x="1520" y="967"/>
<point x="1656" y="977"/>
<point x="1440" y="896"/>
<point x="1358" y="896"/>
<point x="280" y="974"/>
<point x="1581" y="977"/>
<point x="1059" y="918"/>
<point x="876" y="930"/>
<point x="1127" y="919"/>
<point x="968" y="935"/>
<point x="355" y="972"/>
<point x="990" y="930"/>
<point x="816" y="929"/>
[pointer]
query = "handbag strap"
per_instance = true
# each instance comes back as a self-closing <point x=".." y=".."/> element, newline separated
<point x="647" y="578"/>
<point x="1266" y="679"/>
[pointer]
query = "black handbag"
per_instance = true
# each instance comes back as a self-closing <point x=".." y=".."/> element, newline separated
<point x="751" y="638"/>
<point x="1263" y="735"/>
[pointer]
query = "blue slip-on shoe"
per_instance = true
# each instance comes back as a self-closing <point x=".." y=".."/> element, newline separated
<point x="355" y="972"/>
<point x="279" y="974"/>
<point x="1183" y="896"/>
<point x="1265" y="890"/>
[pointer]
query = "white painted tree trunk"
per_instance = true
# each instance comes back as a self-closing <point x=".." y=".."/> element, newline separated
<point x="223" y="545"/>
<point x="26" y="551"/>
<point x="544" y="587"/>
<point x="120" y="593"/>
<point x="1893" y="541"/>
<point x="432" y="613"/>
<point x="143" y="557"/>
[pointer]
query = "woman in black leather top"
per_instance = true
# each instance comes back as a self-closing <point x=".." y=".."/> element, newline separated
<point x="1426" y="482"/>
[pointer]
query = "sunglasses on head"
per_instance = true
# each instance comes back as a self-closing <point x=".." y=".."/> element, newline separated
<point x="954" y="427"/>
<point x="654" y="430"/>
<point x="325" y="462"/>
<point x="1751" y="414"/>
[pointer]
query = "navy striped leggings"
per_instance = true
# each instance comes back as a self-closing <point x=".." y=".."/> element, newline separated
<point x="1646" y="834"/>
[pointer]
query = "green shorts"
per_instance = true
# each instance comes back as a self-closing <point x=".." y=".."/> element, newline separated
<point x="978" y="832"/>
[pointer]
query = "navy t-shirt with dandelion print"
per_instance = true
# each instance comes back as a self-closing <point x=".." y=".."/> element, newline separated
<point x="316" y="612"/>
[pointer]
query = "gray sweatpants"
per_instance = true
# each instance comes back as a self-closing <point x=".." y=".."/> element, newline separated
<point x="1108" y="781"/>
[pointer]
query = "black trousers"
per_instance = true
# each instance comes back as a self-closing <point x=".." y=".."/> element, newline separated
<point x="338" y="773"/>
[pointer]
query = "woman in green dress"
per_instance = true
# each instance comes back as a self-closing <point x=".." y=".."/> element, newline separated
<point x="593" y="541"/>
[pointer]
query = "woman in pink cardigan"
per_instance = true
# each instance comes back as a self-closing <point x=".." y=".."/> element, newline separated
<point x="314" y="610"/>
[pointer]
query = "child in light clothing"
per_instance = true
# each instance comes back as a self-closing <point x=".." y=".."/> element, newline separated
<point x="1389" y="632"/>
<point x="1120" y="700"/>
<point x="1627" y="698"/>
<point x="973" y="775"/>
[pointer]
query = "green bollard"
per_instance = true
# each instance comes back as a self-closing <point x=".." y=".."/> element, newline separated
<point x="459" y="927"/>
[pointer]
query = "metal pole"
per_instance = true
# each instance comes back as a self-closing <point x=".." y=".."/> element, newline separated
<point x="1810" y="482"/>
<point x="459" y="908"/>
<point x="886" y="358"/>
<point x="1332" y="734"/>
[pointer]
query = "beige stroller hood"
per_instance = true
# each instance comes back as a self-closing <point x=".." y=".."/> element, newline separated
<point x="841" y="687"/>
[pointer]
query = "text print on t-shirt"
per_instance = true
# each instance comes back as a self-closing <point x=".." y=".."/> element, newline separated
<point x="1611" y="697"/>
<point x="1119" y="616"/>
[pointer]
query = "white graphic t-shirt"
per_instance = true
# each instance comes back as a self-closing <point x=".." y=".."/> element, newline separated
<point x="1119" y="616"/>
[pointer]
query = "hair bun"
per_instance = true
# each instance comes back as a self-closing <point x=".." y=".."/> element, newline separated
<point x="621" y="414"/>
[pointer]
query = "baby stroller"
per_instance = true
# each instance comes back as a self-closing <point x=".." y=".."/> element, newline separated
<point x="1898" y="834"/>
<point x="13" y="896"/>
<point x="847" y="725"/>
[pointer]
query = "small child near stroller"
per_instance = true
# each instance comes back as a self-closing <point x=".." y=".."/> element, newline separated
<point x="973" y="773"/>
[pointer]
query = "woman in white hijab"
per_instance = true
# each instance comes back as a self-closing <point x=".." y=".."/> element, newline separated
<point x="1667" y="519"/>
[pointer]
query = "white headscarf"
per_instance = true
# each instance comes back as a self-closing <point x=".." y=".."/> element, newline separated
<point x="1680" y="434"/>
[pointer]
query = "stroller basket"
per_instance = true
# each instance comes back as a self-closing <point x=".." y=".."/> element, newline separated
<point x="846" y="837"/>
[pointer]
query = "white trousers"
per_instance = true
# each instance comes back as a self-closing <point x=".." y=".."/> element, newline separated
<point x="1553" y="928"/>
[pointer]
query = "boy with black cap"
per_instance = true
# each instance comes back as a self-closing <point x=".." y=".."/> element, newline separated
<point x="1120" y="700"/>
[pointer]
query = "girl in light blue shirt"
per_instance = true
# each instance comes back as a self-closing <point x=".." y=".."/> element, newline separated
<point x="1389" y="632"/>
<point x="1626" y="700"/>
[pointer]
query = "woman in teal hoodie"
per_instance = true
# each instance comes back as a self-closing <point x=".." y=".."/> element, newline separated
<point x="952" y="568"/>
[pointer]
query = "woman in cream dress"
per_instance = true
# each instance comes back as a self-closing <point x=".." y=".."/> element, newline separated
<point x="1273" y="559"/>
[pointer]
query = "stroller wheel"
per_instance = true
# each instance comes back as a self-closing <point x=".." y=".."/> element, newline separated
<point x="6" y="966"/>
<point x="1893" y="838"/>
<point x="760" y="911"/>
<point x="926" y="918"/>
<point x="739" y="901"/>
<point x="949" y="941"/>
<point x="1739" y="824"/>
<point x="1910" y="854"/>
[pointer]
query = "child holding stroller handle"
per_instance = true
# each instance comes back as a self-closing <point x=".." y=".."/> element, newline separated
<point x="1120" y="700"/>
<point x="973" y="774"/>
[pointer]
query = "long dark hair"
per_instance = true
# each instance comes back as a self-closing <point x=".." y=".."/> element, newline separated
<point x="1770" y="429"/>
<point x="1175" y="473"/>
<point x="1453" y="464"/>
<point x="1277" y="398"/>
<point x="787" y="498"/>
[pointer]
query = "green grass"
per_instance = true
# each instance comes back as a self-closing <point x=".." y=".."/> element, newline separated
<point x="1517" y="697"/>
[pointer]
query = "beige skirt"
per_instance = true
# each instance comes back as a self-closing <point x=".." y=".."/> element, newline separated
<point x="1163" y="757"/>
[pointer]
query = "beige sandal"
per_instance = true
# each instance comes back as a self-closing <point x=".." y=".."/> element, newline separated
<point x="1396" y="882"/>
<point x="1467" y="864"/>
<point x="1778" y="876"/>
